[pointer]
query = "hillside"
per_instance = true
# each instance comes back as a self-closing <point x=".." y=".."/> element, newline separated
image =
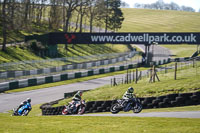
<point x="20" y="53"/>
<point x="136" y="20"/>
<point x="146" y="20"/>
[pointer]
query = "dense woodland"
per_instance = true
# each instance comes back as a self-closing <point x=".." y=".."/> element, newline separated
<point x="62" y="15"/>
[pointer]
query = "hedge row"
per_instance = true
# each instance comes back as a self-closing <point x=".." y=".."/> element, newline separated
<point x="171" y="100"/>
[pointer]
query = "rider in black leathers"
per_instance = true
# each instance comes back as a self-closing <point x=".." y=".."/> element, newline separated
<point x="128" y="95"/>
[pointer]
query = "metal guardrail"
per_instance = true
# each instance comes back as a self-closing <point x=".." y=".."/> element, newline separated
<point x="76" y="67"/>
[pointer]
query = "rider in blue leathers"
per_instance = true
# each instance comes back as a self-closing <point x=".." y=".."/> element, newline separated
<point x="26" y="106"/>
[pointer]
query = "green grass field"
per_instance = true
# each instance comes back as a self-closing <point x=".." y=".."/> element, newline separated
<point x="181" y="50"/>
<point x="14" y="54"/>
<point x="81" y="124"/>
<point x="146" y="20"/>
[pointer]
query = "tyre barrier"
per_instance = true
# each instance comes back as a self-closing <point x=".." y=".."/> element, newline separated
<point x="171" y="100"/>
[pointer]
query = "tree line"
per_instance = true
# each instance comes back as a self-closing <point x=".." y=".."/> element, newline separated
<point x="68" y="15"/>
<point x="161" y="5"/>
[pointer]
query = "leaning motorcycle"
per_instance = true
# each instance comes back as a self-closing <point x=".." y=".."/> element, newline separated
<point x="133" y="104"/>
<point x="74" y="108"/>
<point x="22" y="111"/>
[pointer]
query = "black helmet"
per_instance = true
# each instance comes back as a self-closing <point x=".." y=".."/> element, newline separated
<point x="130" y="90"/>
<point x="28" y="100"/>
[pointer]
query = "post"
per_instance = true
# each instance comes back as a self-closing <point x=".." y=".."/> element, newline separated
<point x="130" y="77"/>
<point x="175" y="71"/>
<point x="136" y="76"/>
<point x="193" y="63"/>
<point x="196" y="67"/>
<point x="115" y="84"/>
<point x="150" y="80"/>
<point x="133" y="75"/>
<point x="127" y="77"/>
<point x="154" y="73"/>
<point x="165" y="69"/>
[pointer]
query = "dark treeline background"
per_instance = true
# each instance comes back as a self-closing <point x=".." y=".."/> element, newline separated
<point x="59" y="15"/>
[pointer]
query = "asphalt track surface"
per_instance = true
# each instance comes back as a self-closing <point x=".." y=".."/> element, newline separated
<point x="188" y="114"/>
<point x="11" y="100"/>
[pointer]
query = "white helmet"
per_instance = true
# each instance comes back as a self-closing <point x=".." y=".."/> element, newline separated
<point x="130" y="90"/>
<point x="28" y="100"/>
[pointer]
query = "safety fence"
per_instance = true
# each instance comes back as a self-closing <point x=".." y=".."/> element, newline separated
<point x="67" y="76"/>
<point x="133" y="76"/>
<point x="170" y="100"/>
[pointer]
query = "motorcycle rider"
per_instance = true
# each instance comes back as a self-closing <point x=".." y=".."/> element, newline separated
<point x="128" y="96"/>
<point x="23" y="103"/>
<point x="26" y="104"/>
<point x="76" y="98"/>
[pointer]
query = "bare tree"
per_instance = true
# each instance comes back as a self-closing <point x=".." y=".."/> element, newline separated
<point x="160" y="5"/>
<point x="26" y="10"/>
<point x="4" y="24"/>
<point x="55" y="14"/>
<point x="40" y="7"/>
<point x="188" y="9"/>
<point x="82" y="12"/>
<point x="64" y="14"/>
<point x="92" y="12"/>
<point x="125" y="5"/>
<point x="71" y="5"/>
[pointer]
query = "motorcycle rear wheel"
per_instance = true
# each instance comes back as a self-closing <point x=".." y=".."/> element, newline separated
<point x="81" y="110"/>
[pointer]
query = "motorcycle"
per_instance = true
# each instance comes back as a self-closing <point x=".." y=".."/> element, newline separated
<point x="76" y="107"/>
<point x="133" y="104"/>
<point x="22" y="111"/>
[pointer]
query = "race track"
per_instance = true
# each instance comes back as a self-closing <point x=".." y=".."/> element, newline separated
<point x="11" y="100"/>
<point x="189" y="114"/>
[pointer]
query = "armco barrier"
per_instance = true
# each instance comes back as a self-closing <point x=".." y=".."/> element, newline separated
<point x="171" y="100"/>
<point x="58" y="77"/>
<point x="84" y="65"/>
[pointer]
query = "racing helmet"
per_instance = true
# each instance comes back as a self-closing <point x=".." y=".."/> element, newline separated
<point x="130" y="90"/>
<point x="28" y="100"/>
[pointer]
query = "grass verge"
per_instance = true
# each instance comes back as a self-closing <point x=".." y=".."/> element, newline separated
<point x="181" y="50"/>
<point x="187" y="81"/>
<point x="71" y="124"/>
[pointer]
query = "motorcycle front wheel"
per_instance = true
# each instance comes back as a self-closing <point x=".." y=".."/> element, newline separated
<point x="65" y="111"/>
<point x="25" y="112"/>
<point x="138" y="109"/>
<point x="114" y="108"/>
